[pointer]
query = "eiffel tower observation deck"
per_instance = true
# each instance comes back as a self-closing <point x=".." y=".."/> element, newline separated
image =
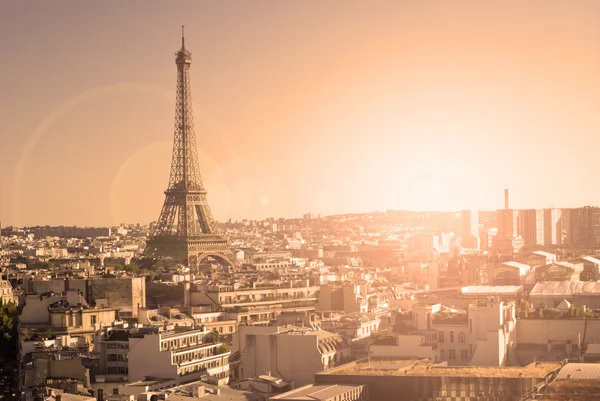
<point x="186" y="230"/>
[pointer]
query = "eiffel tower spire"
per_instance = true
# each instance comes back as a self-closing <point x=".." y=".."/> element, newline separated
<point x="186" y="230"/>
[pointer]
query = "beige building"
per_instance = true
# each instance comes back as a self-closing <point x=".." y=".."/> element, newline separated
<point x="482" y="335"/>
<point x="6" y="292"/>
<point x="353" y="326"/>
<point x="294" y="354"/>
<point x="125" y="294"/>
<point x="64" y="314"/>
<point x="182" y="355"/>
<point x="189" y="317"/>
<point x="404" y="346"/>
<point x="259" y="303"/>
<point x="343" y="298"/>
<point x="273" y="266"/>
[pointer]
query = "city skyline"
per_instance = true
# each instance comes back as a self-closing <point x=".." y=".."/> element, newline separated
<point x="400" y="109"/>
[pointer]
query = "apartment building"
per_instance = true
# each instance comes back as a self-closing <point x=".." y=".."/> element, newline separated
<point x="352" y="326"/>
<point x="343" y="297"/>
<point x="6" y="292"/>
<point x="481" y="335"/>
<point x="126" y="294"/>
<point x="64" y="314"/>
<point x="273" y="266"/>
<point x="294" y="354"/>
<point x="184" y="356"/>
<point x="259" y="303"/>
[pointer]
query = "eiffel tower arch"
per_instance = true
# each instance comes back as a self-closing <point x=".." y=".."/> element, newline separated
<point x="186" y="230"/>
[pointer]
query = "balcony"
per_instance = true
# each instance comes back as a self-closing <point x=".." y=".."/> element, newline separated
<point x="259" y="306"/>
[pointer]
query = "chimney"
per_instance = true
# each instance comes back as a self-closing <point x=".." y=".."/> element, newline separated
<point x="506" y="199"/>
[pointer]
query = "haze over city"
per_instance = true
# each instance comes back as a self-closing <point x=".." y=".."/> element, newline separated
<point x="325" y="107"/>
<point x="299" y="200"/>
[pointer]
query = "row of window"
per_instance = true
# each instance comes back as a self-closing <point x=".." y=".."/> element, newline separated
<point x="117" y="357"/>
<point x="263" y="297"/>
<point x="202" y="366"/>
<point x="117" y="346"/>
<point x="461" y="337"/>
<point x="194" y="356"/>
<point x="229" y="329"/>
<point x="118" y="371"/>
<point x="464" y="354"/>
<point x="369" y="329"/>
<point x="352" y="395"/>
<point x="184" y="341"/>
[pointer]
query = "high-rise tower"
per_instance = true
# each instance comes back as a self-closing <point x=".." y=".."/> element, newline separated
<point x="186" y="230"/>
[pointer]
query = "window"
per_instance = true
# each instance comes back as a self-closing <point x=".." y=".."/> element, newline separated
<point x="451" y="336"/>
<point x="111" y="346"/>
<point x="443" y="354"/>
<point x="451" y="354"/>
<point x="441" y="337"/>
<point x="112" y="357"/>
<point x="231" y="329"/>
<point x="464" y="354"/>
<point x="93" y="319"/>
<point x="461" y="337"/>
<point x="113" y="370"/>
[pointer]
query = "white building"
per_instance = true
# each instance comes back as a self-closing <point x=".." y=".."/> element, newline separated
<point x="181" y="355"/>
<point x="6" y="292"/>
<point x="294" y="354"/>
<point x="482" y="335"/>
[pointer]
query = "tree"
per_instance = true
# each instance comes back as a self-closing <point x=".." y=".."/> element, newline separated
<point x="8" y="328"/>
<point x="214" y="335"/>
<point x="223" y="349"/>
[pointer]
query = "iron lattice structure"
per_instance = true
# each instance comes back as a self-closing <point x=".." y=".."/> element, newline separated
<point x="186" y="230"/>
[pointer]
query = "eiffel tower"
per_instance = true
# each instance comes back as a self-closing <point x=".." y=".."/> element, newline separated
<point x="186" y="230"/>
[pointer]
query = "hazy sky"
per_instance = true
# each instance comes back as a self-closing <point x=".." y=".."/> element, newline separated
<point x="300" y="106"/>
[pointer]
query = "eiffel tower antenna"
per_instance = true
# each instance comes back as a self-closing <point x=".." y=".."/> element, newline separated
<point x="186" y="230"/>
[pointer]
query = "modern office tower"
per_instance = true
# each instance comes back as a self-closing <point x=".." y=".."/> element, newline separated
<point x="581" y="226"/>
<point x="531" y="227"/>
<point x="469" y="228"/>
<point x="553" y="227"/>
<point x="508" y="223"/>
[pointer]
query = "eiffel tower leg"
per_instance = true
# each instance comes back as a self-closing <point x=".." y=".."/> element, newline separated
<point x="167" y="217"/>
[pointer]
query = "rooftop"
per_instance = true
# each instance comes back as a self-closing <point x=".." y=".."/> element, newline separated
<point x="491" y="289"/>
<point x="587" y="371"/>
<point x="148" y="381"/>
<point x="562" y="288"/>
<point x="424" y="367"/>
<point x="315" y="392"/>
<point x="573" y="390"/>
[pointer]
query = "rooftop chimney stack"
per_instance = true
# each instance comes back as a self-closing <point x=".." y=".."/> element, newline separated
<point x="506" y="199"/>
